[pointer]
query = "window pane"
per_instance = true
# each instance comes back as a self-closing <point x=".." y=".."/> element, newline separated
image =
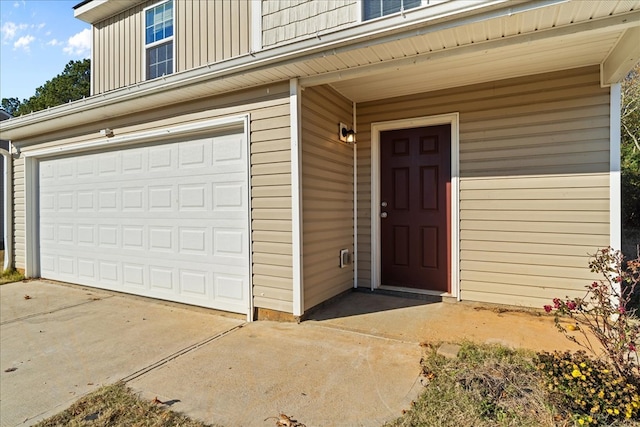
<point x="391" y="6"/>
<point x="159" y="22"/>
<point x="372" y="9"/>
<point x="160" y="60"/>
<point x="408" y="4"/>
<point x="376" y="8"/>
<point x="162" y="54"/>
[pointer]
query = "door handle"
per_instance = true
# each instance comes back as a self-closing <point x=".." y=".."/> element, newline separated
<point x="383" y="215"/>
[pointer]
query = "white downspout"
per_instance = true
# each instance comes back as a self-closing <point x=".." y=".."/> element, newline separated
<point x="8" y="208"/>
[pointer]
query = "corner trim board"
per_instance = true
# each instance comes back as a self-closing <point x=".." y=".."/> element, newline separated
<point x="7" y="207"/>
<point x="615" y="201"/>
<point x="296" y="199"/>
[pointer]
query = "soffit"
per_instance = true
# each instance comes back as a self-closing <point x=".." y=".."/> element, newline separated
<point x="547" y="39"/>
<point x="97" y="10"/>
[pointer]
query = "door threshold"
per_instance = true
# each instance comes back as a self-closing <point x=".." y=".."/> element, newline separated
<point x="416" y="291"/>
<point x="412" y="293"/>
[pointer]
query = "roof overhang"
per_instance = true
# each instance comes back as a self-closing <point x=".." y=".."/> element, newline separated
<point x="366" y="63"/>
<point x="92" y="11"/>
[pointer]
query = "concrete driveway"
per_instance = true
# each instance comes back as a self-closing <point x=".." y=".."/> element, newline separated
<point x="354" y="363"/>
<point x="60" y="342"/>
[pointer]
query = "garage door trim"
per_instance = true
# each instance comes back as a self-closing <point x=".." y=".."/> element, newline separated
<point x="32" y="158"/>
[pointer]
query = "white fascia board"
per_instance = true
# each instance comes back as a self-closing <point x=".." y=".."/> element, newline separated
<point x="622" y="58"/>
<point x="332" y="42"/>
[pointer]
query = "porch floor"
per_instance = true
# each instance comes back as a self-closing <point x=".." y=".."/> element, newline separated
<point x="420" y="320"/>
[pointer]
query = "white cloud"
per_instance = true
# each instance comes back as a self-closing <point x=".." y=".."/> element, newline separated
<point x="9" y="30"/>
<point x="79" y="44"/>
<point x="24" y="42"/>
<point x="54" y="42"/>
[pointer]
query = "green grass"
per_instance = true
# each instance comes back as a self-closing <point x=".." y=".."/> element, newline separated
<point x="117" y="405"/>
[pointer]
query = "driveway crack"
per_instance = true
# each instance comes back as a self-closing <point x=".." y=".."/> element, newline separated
<point x="179" y="353"/>
<point x="42" y="313"/>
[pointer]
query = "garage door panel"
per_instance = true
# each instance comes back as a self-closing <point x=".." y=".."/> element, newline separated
<point x="169" y="221"/>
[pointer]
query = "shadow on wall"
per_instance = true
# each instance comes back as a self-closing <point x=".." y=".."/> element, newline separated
<point x="631" y="243"/>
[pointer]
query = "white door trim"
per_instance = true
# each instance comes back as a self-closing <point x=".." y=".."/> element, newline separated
<point x="451" y="119"/>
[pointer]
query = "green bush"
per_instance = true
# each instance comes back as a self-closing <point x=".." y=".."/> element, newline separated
<point x="589" y="390"/>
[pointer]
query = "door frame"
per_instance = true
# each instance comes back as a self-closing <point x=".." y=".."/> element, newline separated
<point x="451" y="119"/>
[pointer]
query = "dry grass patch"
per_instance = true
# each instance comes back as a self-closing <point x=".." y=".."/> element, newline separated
<point x="10" y="276"/>
<point x="117" y="405"/>
<point x="484" y="386"/>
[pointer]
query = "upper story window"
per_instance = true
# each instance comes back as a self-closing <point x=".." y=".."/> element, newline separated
<point x="159" y="39"/>
<point x="377" y="8"/>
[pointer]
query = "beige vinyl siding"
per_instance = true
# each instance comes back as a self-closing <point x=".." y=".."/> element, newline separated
<point x="271" y="207"/>
<point x="18" y="214"/>
<point x="204" y="32"/>
<point x="210" y="31"/>
<point x="534" y="182"/>
<point x="270" y="176"/>
<point x="285" y="21"/>
<point x="327" y="195"/>
<point x="118" y="50"/>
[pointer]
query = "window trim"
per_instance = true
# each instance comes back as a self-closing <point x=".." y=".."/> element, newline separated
<point x="146" y="46"/>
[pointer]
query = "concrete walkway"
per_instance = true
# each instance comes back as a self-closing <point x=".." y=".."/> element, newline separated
<point x="356" y="363"/>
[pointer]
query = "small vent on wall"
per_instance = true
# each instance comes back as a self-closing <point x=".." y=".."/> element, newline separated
<point x="345" y="258"/>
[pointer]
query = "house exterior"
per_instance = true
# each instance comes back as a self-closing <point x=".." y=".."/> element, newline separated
<point x="210" y="166"/>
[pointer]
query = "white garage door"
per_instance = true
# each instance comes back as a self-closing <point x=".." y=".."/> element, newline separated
<point x="169" y="221"/>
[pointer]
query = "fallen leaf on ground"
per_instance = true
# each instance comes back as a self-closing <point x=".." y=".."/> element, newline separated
<point x="27" y="297"/>
<point x="284" y="420"/>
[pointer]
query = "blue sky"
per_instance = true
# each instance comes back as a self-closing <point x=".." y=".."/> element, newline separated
<point x="37" y="39"/>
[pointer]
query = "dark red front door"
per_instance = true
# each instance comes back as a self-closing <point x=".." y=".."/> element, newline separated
<point x="415" y="177"/>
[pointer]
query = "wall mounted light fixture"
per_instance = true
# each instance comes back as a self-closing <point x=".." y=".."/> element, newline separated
<point x="345" y="134"/>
